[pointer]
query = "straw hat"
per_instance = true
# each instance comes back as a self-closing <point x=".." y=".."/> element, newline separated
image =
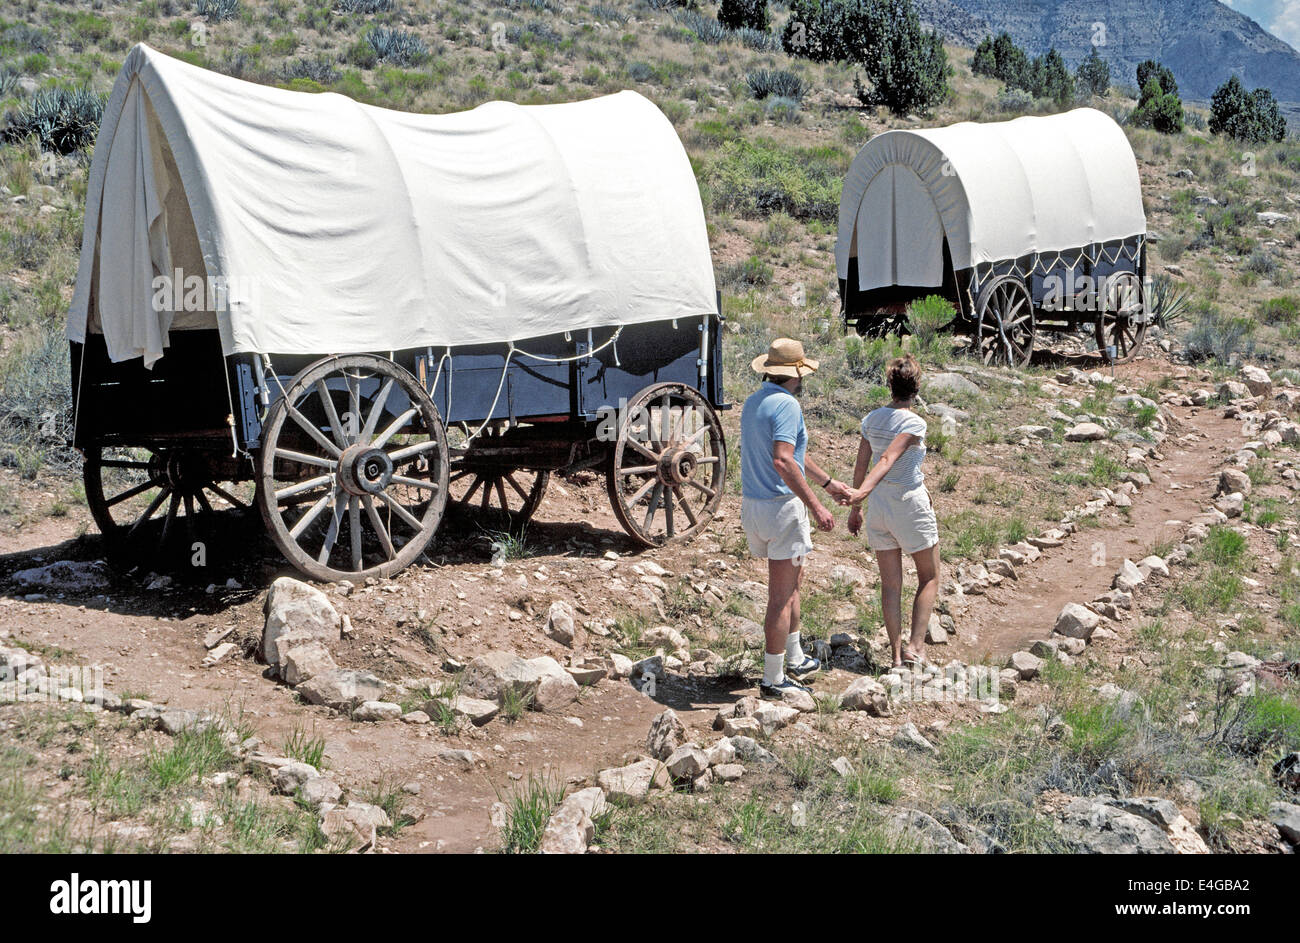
<point x="784" y="359"/>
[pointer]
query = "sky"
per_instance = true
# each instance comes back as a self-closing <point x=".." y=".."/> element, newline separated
<point x="1279" y="17"/>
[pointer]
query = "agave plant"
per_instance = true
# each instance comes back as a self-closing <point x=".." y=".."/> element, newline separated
<point x="214" y="11"/>
<point x="362" y="6"/>
<point x="63" y="120"/>
<point x="765" y="82"/>
<point x="1166" y="301"/>
<point x="397" y="46"/>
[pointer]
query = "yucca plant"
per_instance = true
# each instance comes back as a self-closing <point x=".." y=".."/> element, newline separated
<point x="214" y="11"/>
<point x="397" y="46"/>
<point x="363" y="6"/>
<point x="62" y="119"/>
<point x="1166" y="301"/>
<point x="765" y="82"/>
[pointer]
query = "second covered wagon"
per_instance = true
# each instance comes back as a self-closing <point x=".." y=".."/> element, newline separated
<point x="1026" y="225"/>
<point x="350" y="316"/>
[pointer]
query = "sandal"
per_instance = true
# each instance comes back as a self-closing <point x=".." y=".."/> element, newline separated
<point x="911" y="659"/>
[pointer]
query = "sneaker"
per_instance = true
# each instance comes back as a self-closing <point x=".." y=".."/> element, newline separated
<point x="808" y="666"/>
<point x="777" y="692"/>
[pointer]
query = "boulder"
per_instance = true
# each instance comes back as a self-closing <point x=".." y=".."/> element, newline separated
<point x="304" y="660"/>
<point x="342" y="689"/>
<point x="728" y="772"/>
<point x="686" y="763"/>
<point x="1128" y="578"/>
<point x="866" y="694"/>
<point x="665" y="637"/>
<point x="667" y="733"/>
<point x="1025" y="665"/>
<point x="1233" y="480"/>
<point x="293" y="606"/>
<point x="376" y="711"/>
<point x="1286" y="817"/>
<point x="541" y="681"/>
<point x="1085" y="432"/>
<point x="1094" y="826"/>
<point x="938" y="384"/>
<point x="773" y="715"/>
<point x="65" y="576"/>
<point x="292" y="776"/>
<point x="907" y="737"/>
<point x="1076" y="621"/>
<point x="1231" y="505"/>
<point x="475" y="710"/>
<point x="914" y="826"/>
<point x="560" y="624"/>
<point x="356" y="825"/>
<point x="572" y="825"/>
<point x="1257" y="380"/>
<point x="632" y="783"/>
<point x="318" y="791"/>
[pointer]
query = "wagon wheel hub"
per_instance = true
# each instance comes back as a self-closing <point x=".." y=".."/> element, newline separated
<point x="364" y="470"/>
<point x="677" y="466"/>
<point x="180" y="471"/>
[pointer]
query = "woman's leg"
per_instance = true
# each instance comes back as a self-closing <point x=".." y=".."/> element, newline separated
<point x="890" y="564"/>
<point x="927" y="590"/>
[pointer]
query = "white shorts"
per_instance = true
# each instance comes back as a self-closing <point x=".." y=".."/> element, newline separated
<point x="900" y="517"/>
<point x="777" y="528"/>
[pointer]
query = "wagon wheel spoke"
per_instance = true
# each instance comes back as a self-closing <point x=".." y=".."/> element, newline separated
<point x="642" y="492"/>
<point x="310" y="515"/>
<point x="289" y="455"/>
<point x="353" y="382"/>
<point x="331" y="413"/>
<point x="354" y="530"/>
<point x="203" y="501"/>
<point x="637" y="446"/>
<point x="332" y="532"/>
<point x="309" y="427"/>
<point x="523" y="495"/>
<point x="639" y="469"/>
<point x="686" y="507"/>
<point x="376" y="410"/>
<point x="654" y="505"/>
<point x="132" y="492"/>
<point x="226" y="495"/>
<point x="172" y="509"/>
<point x="402" y="513"/>
<point x="395" y="426"/>
<point x="122" y="463"/>
<point x="415" y="483"/>
<point x="303" y="486"/>
<point x="149" y="512"/>
<point x="380" y="530"/>
<point x="704" y="490"/>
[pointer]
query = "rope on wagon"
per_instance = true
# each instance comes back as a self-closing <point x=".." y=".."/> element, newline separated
<point x="613" y="339"/>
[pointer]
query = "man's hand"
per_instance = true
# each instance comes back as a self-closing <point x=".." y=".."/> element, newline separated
<point x="857" y="497"/>
<point x="855" y="520"/>
<point x="823" y="518"/>
<point x="839" y="491"/>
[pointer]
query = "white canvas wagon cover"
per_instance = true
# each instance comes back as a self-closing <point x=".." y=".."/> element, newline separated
<point x="996" y="191"/>
<point x="321" y="225"/>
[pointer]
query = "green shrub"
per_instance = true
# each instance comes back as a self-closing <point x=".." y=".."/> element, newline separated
<point x="743" y="14"/>
<point x="1283" y="310"/>
<point x="1000" y="58"/>
<point x="1158" y="109"/>
<point x="1219" y="337"/>
<point x="1250" y="117"/>
<point x="757" y="178"/>
<point x="1093" y="75"/>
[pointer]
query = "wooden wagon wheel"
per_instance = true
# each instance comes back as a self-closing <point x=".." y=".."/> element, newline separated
<point x="496" y="494"/>
<point x="667" y="467"/>
<point x="352" y="476"/>
<point x="1004" y="331"/>
<point x="141" y="498"/>
<point x="1122" y="322"/>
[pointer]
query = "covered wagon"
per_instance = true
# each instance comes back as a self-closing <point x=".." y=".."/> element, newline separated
<point x="351" y="316"/>
<point x="1029" y="225"/>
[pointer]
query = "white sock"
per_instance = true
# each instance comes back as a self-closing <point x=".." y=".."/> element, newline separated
<point x="793" y="650"/>
<point x="773" y="668"/>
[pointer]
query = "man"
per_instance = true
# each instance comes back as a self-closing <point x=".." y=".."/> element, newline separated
<point x="775" y="472"/>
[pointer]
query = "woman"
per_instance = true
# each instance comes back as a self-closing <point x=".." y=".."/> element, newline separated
<point x="899" y="516"/>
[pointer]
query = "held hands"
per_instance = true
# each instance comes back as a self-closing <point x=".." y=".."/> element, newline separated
<point x="823" y="518"/>
<point x="839" y="491"/>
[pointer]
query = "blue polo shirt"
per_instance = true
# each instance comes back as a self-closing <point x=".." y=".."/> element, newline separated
<point x="771" y="414"/>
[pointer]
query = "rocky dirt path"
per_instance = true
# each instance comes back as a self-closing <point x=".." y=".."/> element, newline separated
<point x="1008" y="617"/>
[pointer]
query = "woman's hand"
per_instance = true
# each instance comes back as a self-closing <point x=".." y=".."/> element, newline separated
<point x="858" y="496"/>
<point x="855" y="520"/>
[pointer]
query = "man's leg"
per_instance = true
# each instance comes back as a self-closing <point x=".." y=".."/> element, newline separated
<point x="890" y="564"/>
<point x="927" y="590"/>
<point x="782" y="612"/>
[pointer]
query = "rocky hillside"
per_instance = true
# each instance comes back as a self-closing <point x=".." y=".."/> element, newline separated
<point x="1203" y="41"/>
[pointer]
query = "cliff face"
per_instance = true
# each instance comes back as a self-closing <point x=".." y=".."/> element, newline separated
<point x="1202" y="41"/>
